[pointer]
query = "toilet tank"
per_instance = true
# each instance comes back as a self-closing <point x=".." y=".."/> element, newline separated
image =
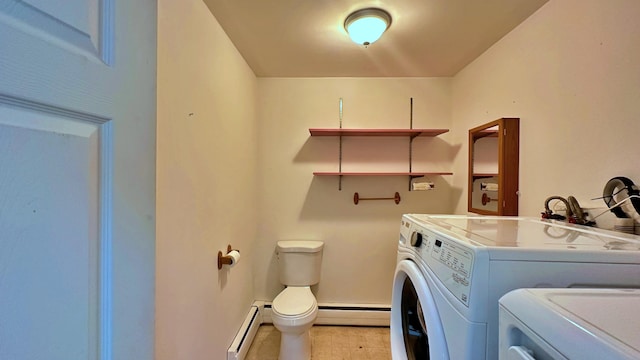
<point x="299" y="262"/>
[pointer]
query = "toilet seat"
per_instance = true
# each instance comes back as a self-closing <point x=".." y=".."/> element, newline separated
<point x="294" y="301"/>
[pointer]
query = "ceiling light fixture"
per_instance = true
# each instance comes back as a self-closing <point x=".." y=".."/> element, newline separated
<point x="367" y="25"/>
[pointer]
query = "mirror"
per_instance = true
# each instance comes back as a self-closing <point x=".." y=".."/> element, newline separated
<point x="493" y="167"/>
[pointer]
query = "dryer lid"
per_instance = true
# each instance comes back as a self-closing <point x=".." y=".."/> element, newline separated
<point x="294" y="301"/>
<point x="580" y="323"/>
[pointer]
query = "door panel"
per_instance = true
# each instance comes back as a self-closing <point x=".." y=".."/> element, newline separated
<point x="77" y="179"/>
<point x="50" y="238"/>
<point x="79" y="23"/>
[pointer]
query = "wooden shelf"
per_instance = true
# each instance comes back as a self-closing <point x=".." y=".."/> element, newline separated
<point x="481" y="175"/>
<point x="413" y="174"/>
<point x="410" y="133"/>
<point x="485" y="133"/>
<point x="378" y="132"/>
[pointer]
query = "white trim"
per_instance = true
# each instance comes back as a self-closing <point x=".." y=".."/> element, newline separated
<point x="107" y="32"/>
<point x="50" y="118"/>
<point x="106" y="240"/>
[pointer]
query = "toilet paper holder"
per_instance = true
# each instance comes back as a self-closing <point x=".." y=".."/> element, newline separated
<point x="226" y="259"/>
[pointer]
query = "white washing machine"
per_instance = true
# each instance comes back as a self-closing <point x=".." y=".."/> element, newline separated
<point x="451" y="271"/>
<point x="543" y="324"/>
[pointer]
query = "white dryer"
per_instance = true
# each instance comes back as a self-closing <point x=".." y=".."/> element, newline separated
<point x="544" y="324"/>
<point x="451" y="271"/>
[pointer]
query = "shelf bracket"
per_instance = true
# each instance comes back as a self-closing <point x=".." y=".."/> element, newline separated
<point x="411" y="177"/>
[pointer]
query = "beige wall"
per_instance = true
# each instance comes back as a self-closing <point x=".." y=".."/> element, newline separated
<point x="571" y="72"/>
<point x="206" y="175"/>
<point x="361" y="241"/>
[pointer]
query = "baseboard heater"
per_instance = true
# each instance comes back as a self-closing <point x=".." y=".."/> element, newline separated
<point x="345" y="314"/>
<point x="352" y="315"/>
<point x="242" y="342"/>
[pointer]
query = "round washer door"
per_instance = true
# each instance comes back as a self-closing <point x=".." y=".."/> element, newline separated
<point x="416" y="329"/>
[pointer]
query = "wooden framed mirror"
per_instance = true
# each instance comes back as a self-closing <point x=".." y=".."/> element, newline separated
<point x="494" y="151"/>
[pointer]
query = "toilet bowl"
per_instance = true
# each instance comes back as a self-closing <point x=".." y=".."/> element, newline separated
<point x="293" y="312"/>
<point x="295" y="309"/>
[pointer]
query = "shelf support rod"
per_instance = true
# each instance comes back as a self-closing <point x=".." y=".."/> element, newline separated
<point x="411" y="114"/>
<point x="410" y="138"/>
<point x="340" y="150"/>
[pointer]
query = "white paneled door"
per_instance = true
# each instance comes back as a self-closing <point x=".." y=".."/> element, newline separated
<point x="77" y="179"/>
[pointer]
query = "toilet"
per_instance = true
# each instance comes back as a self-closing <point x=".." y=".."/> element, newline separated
<point x="294" y="310"/>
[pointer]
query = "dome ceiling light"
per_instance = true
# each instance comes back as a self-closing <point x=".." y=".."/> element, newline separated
<point x="367" y="25"/>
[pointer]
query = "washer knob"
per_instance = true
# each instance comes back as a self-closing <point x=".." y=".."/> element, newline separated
<point x="416" y="239"/>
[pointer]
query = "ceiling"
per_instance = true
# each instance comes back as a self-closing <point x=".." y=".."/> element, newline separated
<point x="306" y="38"/>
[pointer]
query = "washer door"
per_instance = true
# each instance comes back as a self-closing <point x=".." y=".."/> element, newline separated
<point x="416" y="329"/>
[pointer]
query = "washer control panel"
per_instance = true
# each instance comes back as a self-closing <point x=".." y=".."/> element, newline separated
<point x="455" y="257"/>
<point x="450" y="261"/>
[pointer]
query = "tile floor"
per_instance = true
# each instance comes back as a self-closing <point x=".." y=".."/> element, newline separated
<point x="328" y="343"/>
